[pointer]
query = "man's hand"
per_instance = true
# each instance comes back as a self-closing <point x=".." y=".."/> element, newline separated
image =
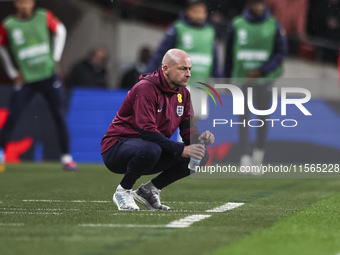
<point x="194" y="150"/>
<point x="209" y="137"/>
<point x="19" y="79"/>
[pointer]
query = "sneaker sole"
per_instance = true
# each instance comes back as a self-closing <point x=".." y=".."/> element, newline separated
<point x="119" y="208"/>
<point x="116" y="202"/>
<point x="143" y="201"/>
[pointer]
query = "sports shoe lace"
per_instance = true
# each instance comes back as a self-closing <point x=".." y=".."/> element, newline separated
<point x="156" y="196"/>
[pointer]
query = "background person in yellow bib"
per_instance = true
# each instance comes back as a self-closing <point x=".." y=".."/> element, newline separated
<point x="256" y="48"/>
<point x="27" y="35"/>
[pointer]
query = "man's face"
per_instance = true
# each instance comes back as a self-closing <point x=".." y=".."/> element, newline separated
<point x="257" y="8"/>
<point x="179" y="73"/>
<point x="99" y="57"/>
<point x="24" y="7"/>
<point x="197" y="13"/>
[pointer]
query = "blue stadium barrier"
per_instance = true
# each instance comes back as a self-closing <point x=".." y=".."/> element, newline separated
<point x="90" y="113"/>
<point x="92" y="110"/>
<point x="322" y="128"/>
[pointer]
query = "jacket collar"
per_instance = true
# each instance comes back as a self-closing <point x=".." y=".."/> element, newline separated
<point x="254" y="19"/>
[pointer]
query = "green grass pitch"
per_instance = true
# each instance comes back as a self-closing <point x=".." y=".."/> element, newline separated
<point x="44" y="210"/>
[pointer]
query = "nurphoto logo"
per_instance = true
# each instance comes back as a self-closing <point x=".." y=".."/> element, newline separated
<point x="240" y="102"/>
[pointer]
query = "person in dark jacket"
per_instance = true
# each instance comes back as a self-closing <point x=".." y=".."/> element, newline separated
<point x="256" y="48"/>
<point x="130" y="77"/>
<point x="187" y="34"/>
<point x="91" y="71"/>
<point x="193" y="34"/>
<point x="138" y="143"/>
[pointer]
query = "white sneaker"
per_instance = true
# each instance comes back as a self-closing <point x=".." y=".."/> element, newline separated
<point x="123" y="198"/>
<point x="258" y="156"/>
<point x="246" y="160"/>
<point x="245" y="163"/>
<point x="248" y="167"/>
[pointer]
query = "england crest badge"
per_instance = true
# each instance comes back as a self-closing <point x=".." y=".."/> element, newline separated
<point x="180" y="110"/>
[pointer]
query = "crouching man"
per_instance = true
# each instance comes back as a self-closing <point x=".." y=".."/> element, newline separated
<point x="137" y="141"/>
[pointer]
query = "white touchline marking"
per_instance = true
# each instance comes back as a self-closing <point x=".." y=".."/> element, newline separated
<point x="36" y="209"/>
<point x="225" y="207"/>
<point x="158" y="214"/>
<point x="83" y="201"/>
<point x="11" y="224"/>
<point x="189" y="202"/>
<point x="46" y="201"/>
<point x="121" y="225"/>
<point x="31" y="213"/>
<point x="182" y="223"/>
<point x="175" y="211"/>
<point x="107" y="201"/>
<point x="187" y="221"/>
<point x="64" y="201"/>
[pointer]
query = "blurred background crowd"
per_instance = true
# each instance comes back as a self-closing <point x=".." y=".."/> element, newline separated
<point x="112" y="38"/>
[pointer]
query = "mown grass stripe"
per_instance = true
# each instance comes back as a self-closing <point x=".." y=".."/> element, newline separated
<point x="312" y="231"/>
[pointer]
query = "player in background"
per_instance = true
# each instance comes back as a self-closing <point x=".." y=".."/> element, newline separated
<point x="192" y="33"/>
<point x="27" y="36"/>
<point x="256" y="48"/>
<point x="138" y="143"/>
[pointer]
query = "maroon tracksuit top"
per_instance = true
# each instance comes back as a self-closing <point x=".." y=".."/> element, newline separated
<point x="153" y="111"/>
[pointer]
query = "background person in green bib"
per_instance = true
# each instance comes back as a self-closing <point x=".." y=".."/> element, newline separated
<point x="256" y="48"/>
<point x="191" y="33"/>
<point x="27" y="36"/>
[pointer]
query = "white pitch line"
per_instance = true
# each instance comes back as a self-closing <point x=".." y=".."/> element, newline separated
<point x="106" y="201"/>
<point x="11" y="224"/>
<point x="182" y="223"/>
<point x="121" y="225"/>
<point x="187" y="221"/>
<point x="83" y="201"/>
<point x="64" y="201"/>
<point x="31" y="213"/>
<point x="36" y="209"/>
<point x="225" y="207"/>
<point x="158" y="214"/>
<point x="188" y="202"/>
<point x="42" y="200"/>
<point x="174" y="211"/>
